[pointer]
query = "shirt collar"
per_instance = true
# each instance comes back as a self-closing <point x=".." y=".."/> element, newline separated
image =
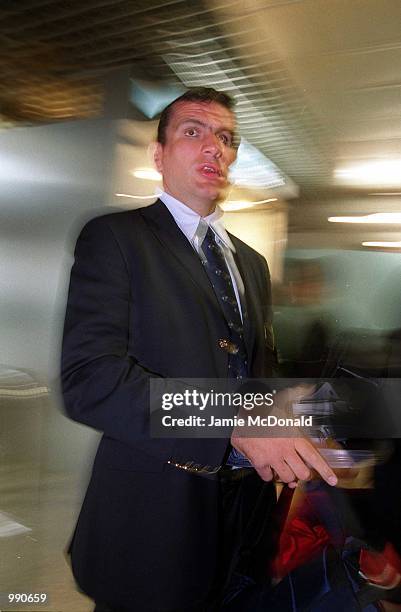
<point x="192" y="224"/>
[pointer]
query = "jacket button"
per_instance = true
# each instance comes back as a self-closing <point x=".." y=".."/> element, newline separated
<point x="228" y="346"/>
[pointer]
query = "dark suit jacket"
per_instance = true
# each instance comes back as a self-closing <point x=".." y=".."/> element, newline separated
<point x="140" y="305"/>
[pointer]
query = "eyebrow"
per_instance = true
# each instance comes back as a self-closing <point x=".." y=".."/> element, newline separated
<point x="206" y="125"/>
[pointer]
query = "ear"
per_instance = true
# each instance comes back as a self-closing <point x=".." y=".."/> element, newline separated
<point x="158" y="157"/>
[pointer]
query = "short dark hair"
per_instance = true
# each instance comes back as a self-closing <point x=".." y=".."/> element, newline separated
<point x="195" y="94"/>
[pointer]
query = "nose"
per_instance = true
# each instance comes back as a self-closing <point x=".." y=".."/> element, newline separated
<point x="212" y="145"/>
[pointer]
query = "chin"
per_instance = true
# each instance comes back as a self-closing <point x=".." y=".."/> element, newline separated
<point x="216" y="195"/>
<point x="220" y="197"/>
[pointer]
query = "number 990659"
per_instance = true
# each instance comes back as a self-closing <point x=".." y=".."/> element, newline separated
<point x="27" y="598"/>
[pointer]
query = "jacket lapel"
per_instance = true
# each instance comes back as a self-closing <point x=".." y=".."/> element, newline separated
<point x="251" y="297"/>
<point x="162" y="224"/>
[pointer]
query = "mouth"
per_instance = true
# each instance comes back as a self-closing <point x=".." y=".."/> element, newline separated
<point x="211" y="171"/>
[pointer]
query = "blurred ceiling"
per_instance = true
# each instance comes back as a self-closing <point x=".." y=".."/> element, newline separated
<point x="317" y="82"/>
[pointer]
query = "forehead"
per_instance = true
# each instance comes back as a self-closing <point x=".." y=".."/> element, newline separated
<point x="211" y="113"/>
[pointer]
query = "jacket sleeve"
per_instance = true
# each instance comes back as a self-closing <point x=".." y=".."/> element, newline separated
<point x="269" y="340"/>
<point x="103" y="386"/>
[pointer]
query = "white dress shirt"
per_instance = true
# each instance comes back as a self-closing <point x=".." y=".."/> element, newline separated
<point x="195" y="227"/>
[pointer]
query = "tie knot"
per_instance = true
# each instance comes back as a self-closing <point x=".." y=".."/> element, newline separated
<point x="212" y="250"/>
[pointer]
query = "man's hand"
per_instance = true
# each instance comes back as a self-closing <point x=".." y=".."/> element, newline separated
<point x="290" y="459"/>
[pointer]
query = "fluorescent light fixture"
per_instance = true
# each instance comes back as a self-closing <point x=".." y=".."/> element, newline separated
<point x="149" y="174"/>
<point x="135" y="197"/>
<point x="382" y="172"/>
<point x="231" y="205"/>
<point x="236" y="205"/>
<point x="374" y="218"/>
<point x="253" y="169"/>
<point x="386" y="245"/>
<point x="385" y="193"/>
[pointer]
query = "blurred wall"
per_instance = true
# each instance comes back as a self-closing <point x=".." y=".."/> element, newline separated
<point x="364" y="287"/>
<point x="51" y="178"/>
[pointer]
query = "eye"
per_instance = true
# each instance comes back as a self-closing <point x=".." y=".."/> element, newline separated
<point x="226" y="139"/>
<point x="191" y="131"/>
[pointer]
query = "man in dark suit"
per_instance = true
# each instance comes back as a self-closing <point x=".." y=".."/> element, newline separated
<point x="141" y="305"/>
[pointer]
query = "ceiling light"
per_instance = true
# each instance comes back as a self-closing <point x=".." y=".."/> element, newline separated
<point x="253" y="169"/>
<point x="375" y="218"/>
<point x="386" y="193"/>
<point x="135" y="197"/>
<point x="383" y="172"/>
<point x="149" y="174"/>
<point x="231" y="205"/>
<point x="234" y="205"/>
<point x="387" y="245"/>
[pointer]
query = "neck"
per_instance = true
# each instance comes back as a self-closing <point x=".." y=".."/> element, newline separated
<point x="202" y="208"/>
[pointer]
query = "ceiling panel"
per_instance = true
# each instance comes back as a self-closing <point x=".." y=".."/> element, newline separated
<point x="316" y="82"/>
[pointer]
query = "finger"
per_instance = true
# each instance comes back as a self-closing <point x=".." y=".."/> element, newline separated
<point x="315" y="461"/>
<point x="283" y="471"/>
<point x="297" y="465"/>
<point x="291" y="485"/>
<point x="265" y="473"/>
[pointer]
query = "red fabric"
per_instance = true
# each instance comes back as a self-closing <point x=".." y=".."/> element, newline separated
<point x="381" y="568"/>
<point x="299" y="542"/>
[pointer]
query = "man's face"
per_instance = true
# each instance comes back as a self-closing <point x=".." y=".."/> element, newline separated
<point x="198" y="151"/>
